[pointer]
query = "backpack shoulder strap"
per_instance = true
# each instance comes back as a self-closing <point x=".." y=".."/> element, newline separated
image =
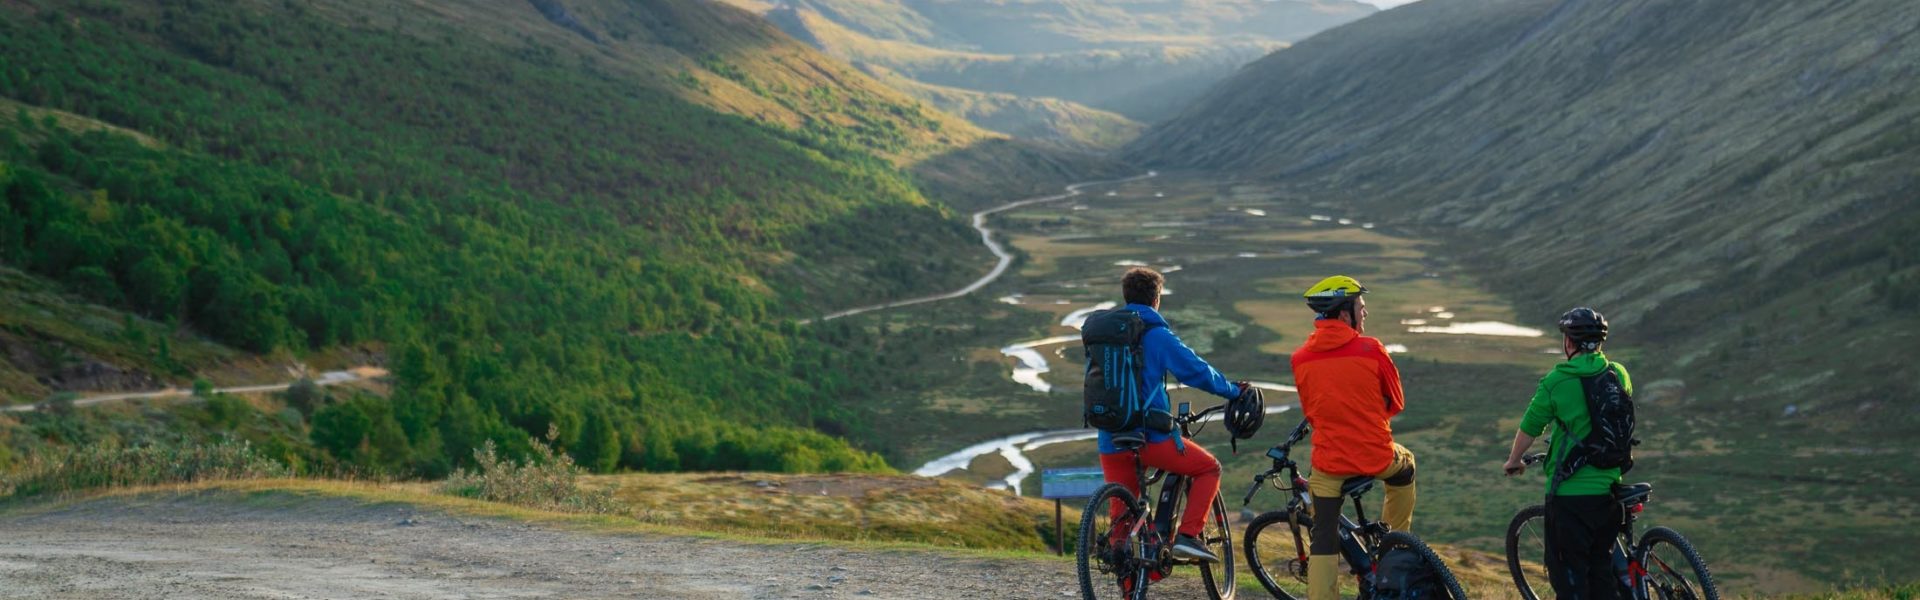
<point x="1146" y="327"/>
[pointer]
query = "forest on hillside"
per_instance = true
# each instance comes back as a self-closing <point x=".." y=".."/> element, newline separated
<point x="595" y="261"/>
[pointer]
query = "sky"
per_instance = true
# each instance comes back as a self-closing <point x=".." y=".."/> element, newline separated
<point x="1386" y="4"/>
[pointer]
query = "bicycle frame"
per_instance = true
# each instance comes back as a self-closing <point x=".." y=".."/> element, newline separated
<point x="1357" y="539"/>
<point x="1150" y="535"/>
<point x="1630" y="561"/>
<point x="1149" y="545"/>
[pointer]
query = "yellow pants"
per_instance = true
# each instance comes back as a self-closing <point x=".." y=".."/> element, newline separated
<point x="1323" y="566"/>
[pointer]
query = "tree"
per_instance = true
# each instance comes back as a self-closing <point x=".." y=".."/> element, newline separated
<point x="96" y="284"/>
<point x="305" y="396"/>
<point x="599" y="447"/>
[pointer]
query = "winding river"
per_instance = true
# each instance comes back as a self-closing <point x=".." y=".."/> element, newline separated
<point x="1030" y="371"/>
<point x="1014" y="448"/>
<point x="1032" y="365"/>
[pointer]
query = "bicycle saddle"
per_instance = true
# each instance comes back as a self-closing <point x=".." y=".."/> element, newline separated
<point x="1131" y="440"/>
<point x="1632" y="494"/>
<point x="1356" y="486"/>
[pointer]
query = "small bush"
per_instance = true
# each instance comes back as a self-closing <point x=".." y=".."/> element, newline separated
<point x="90" y="468"/>
<point x="227" y="411"/>
<point x="547" y="480"/>
<point x="305" y="396"/>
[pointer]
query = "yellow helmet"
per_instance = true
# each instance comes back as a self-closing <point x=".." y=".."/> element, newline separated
<point x="1333" y="294"/>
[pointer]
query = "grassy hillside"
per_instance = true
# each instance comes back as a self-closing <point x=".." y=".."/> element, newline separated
<point x="1056" y="26"/>
<point x="596" y="218"/>
<point x="1045" y="121"/>
<point x="1732" y="183"/>
<point x="1141" y="59"/>
<point x="1756" y="173"/>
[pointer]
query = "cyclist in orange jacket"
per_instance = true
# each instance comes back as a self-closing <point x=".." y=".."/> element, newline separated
<point x="1349" y="392"/>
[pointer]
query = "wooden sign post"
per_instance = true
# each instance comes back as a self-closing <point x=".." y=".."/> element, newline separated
<point x="1060" y="484"/>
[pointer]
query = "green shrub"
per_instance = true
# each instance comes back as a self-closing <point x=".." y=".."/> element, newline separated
<point x="227" y="410"/>
<point x="547" y="480"/>
<point x="304" y="395"/>
<point x="91" y="468"/>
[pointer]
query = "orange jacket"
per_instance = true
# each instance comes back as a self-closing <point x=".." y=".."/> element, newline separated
<point x="1349" y="390"/>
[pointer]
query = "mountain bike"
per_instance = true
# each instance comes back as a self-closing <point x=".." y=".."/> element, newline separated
<point x="1647" y="572"/>
<point x="1132" y="551"/>
<point x="1282" y="556"/>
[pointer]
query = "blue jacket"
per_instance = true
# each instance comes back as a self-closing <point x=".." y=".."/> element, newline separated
<point x="1165" y="354"/>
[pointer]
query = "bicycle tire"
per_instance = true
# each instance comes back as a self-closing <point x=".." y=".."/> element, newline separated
<point x="1660" y="577"/>
<point x="1402" y="539"/>
<point x="1223" y="547"/>
<point x="1095" y="527"/>
<point x="1300" y="524"/>
<point x="1537" y="515"/>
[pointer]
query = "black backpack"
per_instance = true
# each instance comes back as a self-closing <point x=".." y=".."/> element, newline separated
<point x="1609" y="444"/>
<point x="1114" y="396"/>
<point x="1403" y="572"/>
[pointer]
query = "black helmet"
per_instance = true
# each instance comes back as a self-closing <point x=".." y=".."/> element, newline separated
<point x="1585" y="326"/>
<point x="1245" y="413"/>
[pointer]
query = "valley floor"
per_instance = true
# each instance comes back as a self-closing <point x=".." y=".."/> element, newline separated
<point x="219" y="545"/>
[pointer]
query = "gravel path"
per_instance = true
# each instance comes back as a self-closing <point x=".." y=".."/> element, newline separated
<point x="325" y="379"/>
<point x="220" y="545"/>
<point x="1005" y="258"/>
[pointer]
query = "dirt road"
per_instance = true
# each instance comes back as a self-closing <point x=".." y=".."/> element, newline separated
<point x="223" y="545"/>
<point x="986" y="238"/>
<point x="325" y="379"/>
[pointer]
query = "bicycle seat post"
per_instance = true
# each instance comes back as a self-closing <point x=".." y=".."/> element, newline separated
<point x="1140" y="476"/>
<point x="1359" y="510"/>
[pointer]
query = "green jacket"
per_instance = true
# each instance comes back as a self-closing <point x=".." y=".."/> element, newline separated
<point x="1560" y="399"/>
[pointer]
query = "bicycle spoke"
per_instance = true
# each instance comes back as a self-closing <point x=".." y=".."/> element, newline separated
<point x="1672" y="585"/>
<point x="1671" y="569"/>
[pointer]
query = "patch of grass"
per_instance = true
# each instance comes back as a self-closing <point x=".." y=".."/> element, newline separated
<point x="894" y="508"/>
<point x="100" y="467"/>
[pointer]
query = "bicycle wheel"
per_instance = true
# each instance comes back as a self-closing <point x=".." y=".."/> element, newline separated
<point x="1673" y="570"/>
<point x="1402" y="539"/>
<point x="1219" y="578"/>
<point x="1106" y="567"/>
<point x="1527" y="540"/>
<point x="1278" y="557"/>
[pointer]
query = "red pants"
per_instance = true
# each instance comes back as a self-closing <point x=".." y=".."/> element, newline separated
<point x="1197" y="464"/>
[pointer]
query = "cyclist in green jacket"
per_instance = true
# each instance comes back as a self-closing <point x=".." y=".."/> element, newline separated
<point x="1582" y="515"/>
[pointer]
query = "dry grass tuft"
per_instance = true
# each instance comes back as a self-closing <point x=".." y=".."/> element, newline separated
<point x="548" y="480"/>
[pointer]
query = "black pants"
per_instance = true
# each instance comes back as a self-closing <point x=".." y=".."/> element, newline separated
<point x="1580" y="536"/>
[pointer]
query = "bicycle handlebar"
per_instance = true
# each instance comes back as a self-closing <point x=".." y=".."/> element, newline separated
<point x="1533" y="459"/>
<point x="1196" y="417"/>
<point x="1299" y="433"/>
<point x="1281" y="461"/>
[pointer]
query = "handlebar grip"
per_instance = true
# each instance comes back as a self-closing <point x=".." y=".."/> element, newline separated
<point x="1257" y="480"/>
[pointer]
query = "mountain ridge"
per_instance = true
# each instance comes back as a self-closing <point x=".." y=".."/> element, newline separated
<point x="1138" y="58"/>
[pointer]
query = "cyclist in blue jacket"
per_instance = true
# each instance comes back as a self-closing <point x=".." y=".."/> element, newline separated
<point x="1167" y="355"/>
